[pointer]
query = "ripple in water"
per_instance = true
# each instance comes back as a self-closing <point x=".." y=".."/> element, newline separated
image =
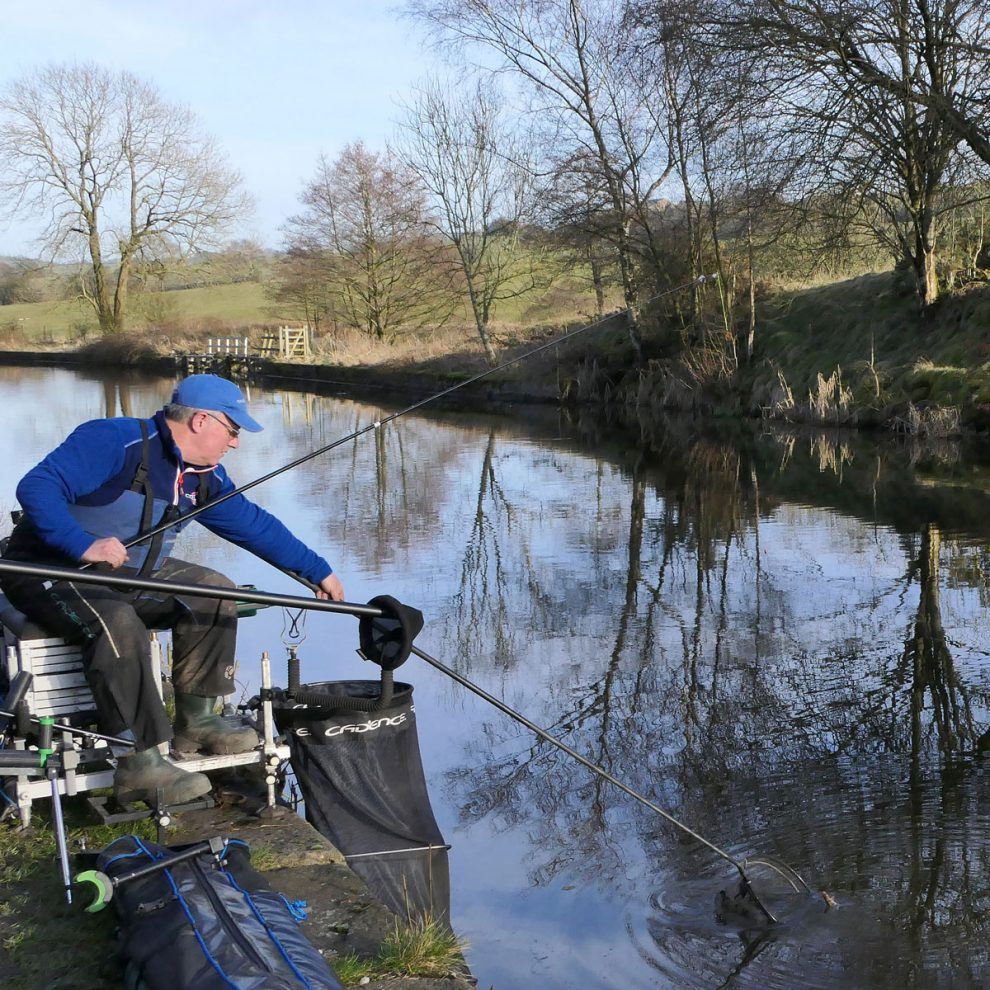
<point x="904" y="854"/>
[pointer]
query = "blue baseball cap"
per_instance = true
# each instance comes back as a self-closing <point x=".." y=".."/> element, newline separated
<point x="216" y="394"/>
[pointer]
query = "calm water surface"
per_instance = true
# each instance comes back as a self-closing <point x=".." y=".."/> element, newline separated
<point x="781" y="639"/>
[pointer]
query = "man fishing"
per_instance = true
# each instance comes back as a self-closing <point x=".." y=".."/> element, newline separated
<point x="108" y="482"/>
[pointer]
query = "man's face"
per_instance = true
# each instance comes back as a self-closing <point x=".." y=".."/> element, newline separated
<point x="215" y="434"/>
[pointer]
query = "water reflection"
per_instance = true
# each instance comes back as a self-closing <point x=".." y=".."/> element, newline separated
<point x="779" y="637"/>
<point x="768" y="713"/>
<point x="927" y="656"/>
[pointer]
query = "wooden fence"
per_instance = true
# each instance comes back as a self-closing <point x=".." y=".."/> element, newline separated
<point x="234" y="356"/>
<point x="287" y="342"/>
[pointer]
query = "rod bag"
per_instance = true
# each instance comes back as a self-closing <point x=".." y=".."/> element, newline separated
<point x="204" y="925"/>
<point x="361" y="777"/>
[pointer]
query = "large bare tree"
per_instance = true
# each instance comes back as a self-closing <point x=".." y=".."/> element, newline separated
<point x="574" y="56"/>
<point x="365" y="214"/>
<point x="115" y="172"/>
<point x="891" y="92"/>
<point x="957" y="30"/>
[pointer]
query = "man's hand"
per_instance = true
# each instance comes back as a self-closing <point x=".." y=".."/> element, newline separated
<point x="108" y="550"/>
<point x="330" y="587"/>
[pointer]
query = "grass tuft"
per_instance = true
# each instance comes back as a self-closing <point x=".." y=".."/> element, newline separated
<point x="424" y="947"/>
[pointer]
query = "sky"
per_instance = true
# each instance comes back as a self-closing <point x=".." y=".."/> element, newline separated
<point x="275" y="83"/>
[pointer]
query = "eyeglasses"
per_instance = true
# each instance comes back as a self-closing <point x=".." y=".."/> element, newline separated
<point x="234" y="431"/>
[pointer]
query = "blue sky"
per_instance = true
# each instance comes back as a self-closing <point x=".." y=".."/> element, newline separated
<point x="275" y="83"/>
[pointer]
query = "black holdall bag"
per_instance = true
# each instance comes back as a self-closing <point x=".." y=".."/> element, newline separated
<point x="361" y="777"/>
<point x="204" y="924"/>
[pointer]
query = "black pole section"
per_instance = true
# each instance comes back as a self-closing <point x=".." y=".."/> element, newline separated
<point x="74" y="730"/>
<point x="378" y="424"/>
<point x="176" y="588"/>
<point x="584" y="761"/>
<point x="214" y="846"/>
<point x="321" y="605"/>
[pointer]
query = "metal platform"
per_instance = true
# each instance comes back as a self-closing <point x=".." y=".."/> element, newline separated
<point x="59" y="689"/>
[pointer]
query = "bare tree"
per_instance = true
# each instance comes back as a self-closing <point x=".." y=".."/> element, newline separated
<point x="888" y="93"/>
<point x="475" y="176"/>
<point x="573" y="55"/>
<point x="241" y="260"/>
<point x="365" y="212"/>
<point x="116" y="173"/>
<point x="19" y="281"/>
<point x="302" y="288"/>
<point x="575" y="206"/>
<point x="732" y="165"/>
<point x="939" y="27"/>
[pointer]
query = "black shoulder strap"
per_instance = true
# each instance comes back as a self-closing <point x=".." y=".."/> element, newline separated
<point x="203" y="490"/>
<point x="141" y="482"/>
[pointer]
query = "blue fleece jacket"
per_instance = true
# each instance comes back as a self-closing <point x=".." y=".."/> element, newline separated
<point x="98" y="461"/>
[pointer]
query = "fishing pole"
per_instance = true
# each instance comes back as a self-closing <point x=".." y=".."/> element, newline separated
<point x="371" y="611"/>
<point x="125" y="582"/>
<point x="385" y="420"/>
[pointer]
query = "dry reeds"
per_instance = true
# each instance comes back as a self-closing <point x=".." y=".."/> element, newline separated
<point x="928" y="421"/>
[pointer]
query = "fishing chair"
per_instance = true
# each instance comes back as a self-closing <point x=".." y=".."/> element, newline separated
<point x="58" y="690"/>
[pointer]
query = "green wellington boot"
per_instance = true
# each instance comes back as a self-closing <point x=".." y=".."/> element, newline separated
<point x="139" y="776"/>
<point x="197" y="728"/>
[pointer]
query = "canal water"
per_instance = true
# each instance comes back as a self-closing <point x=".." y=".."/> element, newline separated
<point x="779" y="637"/>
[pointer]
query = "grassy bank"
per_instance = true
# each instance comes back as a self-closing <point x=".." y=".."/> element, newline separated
<point x="868" y="334"/>
<point x="852" y="352"/>
<point x="34" y="916"/>
<point x="856" y="351"/>
<point x="47" y="943"/>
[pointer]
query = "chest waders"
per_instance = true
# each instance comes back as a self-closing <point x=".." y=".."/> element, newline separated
<point x="142" y="485"/>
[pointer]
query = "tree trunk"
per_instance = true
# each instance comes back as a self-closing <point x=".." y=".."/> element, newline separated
<point x="629" y="291"/>
<point x="597" y="280"/>
<point x="481" y="322"/>
<point x="751" y="265"/>
<point x="120" y="293"/>
<point x="926" y="276"/>
<point x="100" y="299"/>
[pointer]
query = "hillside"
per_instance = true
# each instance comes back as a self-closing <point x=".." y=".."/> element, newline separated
<point x="889" y="353"/>
<point x="216" y="308"/>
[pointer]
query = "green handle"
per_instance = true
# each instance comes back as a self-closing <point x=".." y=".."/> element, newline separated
<point x="103" y="885"/>
<point x="45" y="749"/>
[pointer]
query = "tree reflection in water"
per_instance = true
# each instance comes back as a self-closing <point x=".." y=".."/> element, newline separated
<point x="767" y="703"/>
<point x="927" y="656"/>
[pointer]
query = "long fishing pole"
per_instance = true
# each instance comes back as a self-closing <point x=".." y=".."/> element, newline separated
<point x="349" y="608"/>
<point x="385" y="420"/>
<point x="747" y="886"/>
<point x="126" y="582"/>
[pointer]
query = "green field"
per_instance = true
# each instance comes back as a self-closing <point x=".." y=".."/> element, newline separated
<point x="232" y="306"/>
<point x="243" y="305"/>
